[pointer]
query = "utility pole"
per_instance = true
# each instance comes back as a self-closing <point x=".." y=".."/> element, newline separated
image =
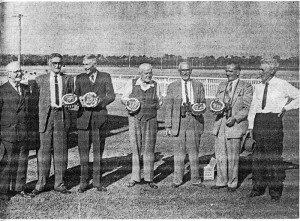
<point x="20" y="35"/>
<point x="129" y="48"/>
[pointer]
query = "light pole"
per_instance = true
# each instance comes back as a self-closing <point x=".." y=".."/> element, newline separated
<point x="129" y="48"/>
<point x="20" y="35"/>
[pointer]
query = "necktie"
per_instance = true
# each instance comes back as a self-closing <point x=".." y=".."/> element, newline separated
<point x="56" y="90"/>
<point x="18" y="89"/>
<point x="228" y="92"/>
<point x="92" y="78"/>
<point x="186" y="92"/>
<point x="264" y="101"/>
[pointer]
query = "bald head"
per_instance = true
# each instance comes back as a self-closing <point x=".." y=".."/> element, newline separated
<point x="145" y="68"/>
<point x="145" y="71"/>
<point x="13" y="66"/>
<point x="184" y="66"/>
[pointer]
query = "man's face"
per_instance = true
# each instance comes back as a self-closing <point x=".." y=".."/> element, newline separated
<point x="265" y="72"/>
<point x="146" y="75"/>
<point x="15" y="76"/>
<point x="231" y="74"/>
<point x="55" y="64"/>
<point x="185" y="72"/>
<point x="89" y="66"/>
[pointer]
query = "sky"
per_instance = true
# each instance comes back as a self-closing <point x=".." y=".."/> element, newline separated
<point x="152" y="28"/>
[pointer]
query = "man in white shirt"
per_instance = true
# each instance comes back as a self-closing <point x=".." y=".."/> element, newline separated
<point x="183" y="125"/>
<point x="265" y="125"/>
<point x="143" y="124"/>
<point x="230" y="126"/>
<point x="54" y="123"/>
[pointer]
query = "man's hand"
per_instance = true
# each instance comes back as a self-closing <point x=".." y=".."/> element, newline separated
<point x="283" y="110"/>
<point x="168" y="132"/>
<point x="99" y="100"/>
<point x="81" y="101"/>
<point x="230" y="121"/>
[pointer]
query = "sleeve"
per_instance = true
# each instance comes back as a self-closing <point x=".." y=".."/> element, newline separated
<point x="202" y="94"/>
<point x="252" y="110"/>
<point x="77" y="86"/>
<point x="159" y="95"/>
<point x="128" y="91"/>
<point x="169" y="102"/>
<point x="293" y="94"/>
<point x="110" y="94"/>
<point x="247" y="99"/>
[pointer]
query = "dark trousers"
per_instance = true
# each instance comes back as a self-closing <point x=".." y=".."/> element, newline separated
<point x="267" y="167"/>
<point x="98" y="135"/>
<point x="55" y="134"/>
<point x="13" y="166"/>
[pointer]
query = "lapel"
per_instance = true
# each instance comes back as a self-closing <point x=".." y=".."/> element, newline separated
<point x="179" y="91"/>
<point x="237" y="91"/>
<point x="45" y="80"/>
<point x="96" y="84"/>
<point x="64" y="83"/>
<point x="195" y="90"/>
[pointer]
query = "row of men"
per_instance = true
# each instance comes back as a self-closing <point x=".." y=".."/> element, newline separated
<point x="265" y="118"/>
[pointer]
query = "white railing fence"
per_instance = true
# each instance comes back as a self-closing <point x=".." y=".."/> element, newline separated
<point x="210" y="84"/>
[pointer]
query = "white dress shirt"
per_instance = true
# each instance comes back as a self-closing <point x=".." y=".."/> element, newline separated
<point x="234" y="83"/>
<point x="93" y="77"/>
<point x="189" y="89"/>
<point x="143" y="86"/>
<point x="52" y="89"/>
<point x="13" y="84"/>
<point x="279" y="92"/>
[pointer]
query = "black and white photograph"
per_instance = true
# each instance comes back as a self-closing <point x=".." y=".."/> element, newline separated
<point x="149" y="109"/>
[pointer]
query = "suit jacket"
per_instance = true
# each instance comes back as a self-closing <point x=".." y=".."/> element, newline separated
<point x="104" y="89"/>
<point x="173" y="102"/>
<point x="13" y="113"/>
<point x="241" y="102"/>
<point x="43" y="83"/>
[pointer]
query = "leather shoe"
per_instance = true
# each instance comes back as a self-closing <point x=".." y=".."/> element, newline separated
<point x="81" y="190"/>
<point x="231" y="189"/>
<point x="25" y="195"/>
<point x="131" y="183"/>
<point x="35" y="192"/>
<point x="63" y="191"/>
<point x="254" y="194"/>
<point x="174" y="185"/>
<point x="152" y="185"/>
<point x="102" y="189"/>
<point x="275" y="198"/>
<point x="4" y="197"/>
<point x="217" y="187"/>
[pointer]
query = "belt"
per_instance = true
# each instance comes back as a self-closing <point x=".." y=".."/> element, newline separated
<point x="55" y="109"/>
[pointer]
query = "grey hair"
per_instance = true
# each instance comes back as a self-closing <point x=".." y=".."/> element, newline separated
<point x="271" y="62"/>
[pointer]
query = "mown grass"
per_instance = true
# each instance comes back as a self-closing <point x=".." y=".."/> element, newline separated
<point x="141" y="202"/>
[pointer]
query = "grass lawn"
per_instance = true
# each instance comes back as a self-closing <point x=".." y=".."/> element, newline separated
<point x="142" y="202"/>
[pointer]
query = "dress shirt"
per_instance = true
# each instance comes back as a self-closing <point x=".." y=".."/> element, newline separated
<point x="13" y="84"/>
<point x="234" y="83"/>
<point x="190" y="91"/>
<point x="52" y="89"/>
<point x="279" y="92"/>
<point x="93" y="77"/>
<point x="144" y="87"/>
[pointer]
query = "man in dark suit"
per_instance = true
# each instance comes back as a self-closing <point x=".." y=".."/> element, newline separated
<point x="54" y="122"/>
<point x="92" y="120"/>
<point x="183" y="125"/>
<point x="14" y="125"/>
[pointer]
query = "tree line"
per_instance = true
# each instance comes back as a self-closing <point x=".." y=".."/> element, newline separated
<point x="166" y="61"/>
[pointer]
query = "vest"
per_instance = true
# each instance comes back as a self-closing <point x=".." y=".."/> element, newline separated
<point x="148" y="100"/>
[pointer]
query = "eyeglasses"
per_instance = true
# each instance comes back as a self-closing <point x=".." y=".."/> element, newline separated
<point x="56" y="63"/>
<point x="228" y="71"/>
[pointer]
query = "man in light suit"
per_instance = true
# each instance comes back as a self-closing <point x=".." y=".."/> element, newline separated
<point x="230" y="126"/>
<point x="183" y="125"/>
<point x="54" y="122"/>
<point x="14" y="126"/>
<point x="92" y="120"/>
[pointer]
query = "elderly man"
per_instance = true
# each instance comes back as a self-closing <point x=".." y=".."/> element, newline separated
<point x="270" y="102"/>
<point x="230" y="126"/>
<point x="181" y="123"/>
<point x="14" y="125"/>
<point x="92" y="121"/>
<point x="143" y="123"/>
<point x="54" y="123"/>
